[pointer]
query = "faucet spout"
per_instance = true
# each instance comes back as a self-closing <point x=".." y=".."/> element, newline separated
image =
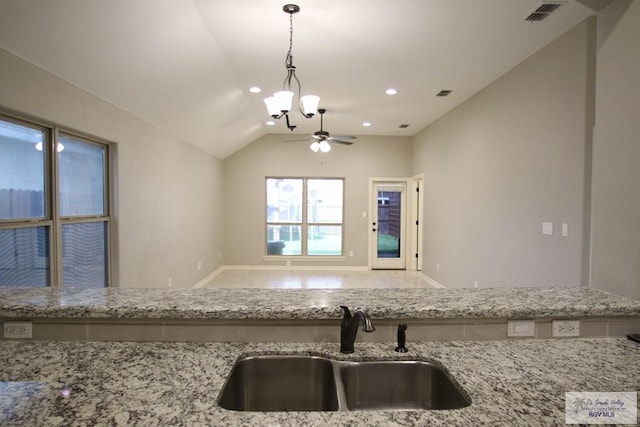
<point x="349" y="327"/>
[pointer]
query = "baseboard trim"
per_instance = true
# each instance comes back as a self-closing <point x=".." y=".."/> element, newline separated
<point x="432" y="282"/>
<point x="209" y="278"/>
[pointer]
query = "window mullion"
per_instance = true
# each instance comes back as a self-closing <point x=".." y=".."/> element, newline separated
<point x="56" y="231"/>
<point x="303" y="233"/>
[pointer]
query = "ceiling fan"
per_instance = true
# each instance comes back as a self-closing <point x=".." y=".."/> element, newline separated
<point x="320" y="139"/>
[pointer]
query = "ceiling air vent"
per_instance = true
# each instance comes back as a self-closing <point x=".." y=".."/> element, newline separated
<point x="543" y="11"/>
<point x="403" y="126"/>
<point x="444" y="93"/>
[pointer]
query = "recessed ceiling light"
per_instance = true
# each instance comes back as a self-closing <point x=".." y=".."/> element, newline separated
<point x="271" y="123"/>
<point x="391" y="91"/>
<point x="366" y="124"/>
<point x="255" y="89"/>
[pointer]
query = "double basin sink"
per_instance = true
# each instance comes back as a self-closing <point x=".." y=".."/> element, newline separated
<point x="314" y="383"/>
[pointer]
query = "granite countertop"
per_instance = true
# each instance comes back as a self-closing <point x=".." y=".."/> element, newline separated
<point x="510" y="383"/>
<point x="292" y="304"/>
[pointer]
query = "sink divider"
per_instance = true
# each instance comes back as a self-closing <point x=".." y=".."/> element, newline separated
<point x="341" y="395"/>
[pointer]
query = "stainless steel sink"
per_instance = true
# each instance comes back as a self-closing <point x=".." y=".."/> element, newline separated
<point x="280" y="383"/>
<point x="310" y="383"/>
<point x="400" y="385"/>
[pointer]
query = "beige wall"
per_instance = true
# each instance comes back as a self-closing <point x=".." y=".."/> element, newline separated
<point x="512" y="156"/>
<point x="509" y="158"/>
<point x="169" y="212"/>
<point x="616" y="156"/>
<point x="244" y="178"/>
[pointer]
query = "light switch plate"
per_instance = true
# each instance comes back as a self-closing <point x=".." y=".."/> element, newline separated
<point x="521" y="328"/>
<point x="547" y="228"/>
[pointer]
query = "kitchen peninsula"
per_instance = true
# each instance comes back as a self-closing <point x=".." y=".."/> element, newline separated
<point x="510" y="381"/>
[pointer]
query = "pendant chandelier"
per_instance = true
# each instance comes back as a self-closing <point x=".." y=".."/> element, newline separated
<point x="279" y="105"/>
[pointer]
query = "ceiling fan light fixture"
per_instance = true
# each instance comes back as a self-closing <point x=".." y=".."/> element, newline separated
<point x="324" y="146"/>
<point x="322" y="140"/>
<point x="279" y="105"/>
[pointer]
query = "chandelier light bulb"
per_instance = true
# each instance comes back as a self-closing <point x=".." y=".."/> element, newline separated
<point x="315" y="146"/>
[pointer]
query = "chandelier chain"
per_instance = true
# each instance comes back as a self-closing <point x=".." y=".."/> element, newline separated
<point x="289" y="59"/>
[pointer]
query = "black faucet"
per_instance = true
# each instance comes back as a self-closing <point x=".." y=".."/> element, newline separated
<point x="349" y="327"/>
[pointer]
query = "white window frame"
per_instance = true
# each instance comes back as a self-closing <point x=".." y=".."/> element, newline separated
<point x="304" y="224"/>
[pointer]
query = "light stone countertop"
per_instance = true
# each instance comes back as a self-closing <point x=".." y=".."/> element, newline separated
<point x="308" y="304"/>
<point x="511" y="383"/>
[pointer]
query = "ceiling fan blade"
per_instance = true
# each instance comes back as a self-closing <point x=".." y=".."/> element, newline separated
<point x="339" y="141"/>
<point x="298" y="140"/>
<point x="345" y="137"/>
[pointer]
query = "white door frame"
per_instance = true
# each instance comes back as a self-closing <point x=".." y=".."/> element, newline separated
<point x="415" y="222"/>
<point x="413" y="228"/>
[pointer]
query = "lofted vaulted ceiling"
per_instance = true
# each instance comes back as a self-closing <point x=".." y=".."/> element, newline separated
<point x="187" y="65"/>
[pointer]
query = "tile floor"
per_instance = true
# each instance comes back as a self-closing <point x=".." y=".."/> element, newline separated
<point x="317" y="279"/>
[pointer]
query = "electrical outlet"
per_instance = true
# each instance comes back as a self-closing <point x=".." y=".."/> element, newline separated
<point x="565" y="328"/>
<point x="18" y="330"/>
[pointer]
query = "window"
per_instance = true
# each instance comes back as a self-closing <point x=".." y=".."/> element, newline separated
<point x="304" y="216"/>
<point x="54" y="217"/>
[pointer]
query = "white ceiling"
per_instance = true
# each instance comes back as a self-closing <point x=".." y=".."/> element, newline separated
<point x="187" y="65"/>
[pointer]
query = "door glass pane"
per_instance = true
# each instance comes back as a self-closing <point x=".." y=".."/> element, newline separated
<point x="22" y="171"/>
<point x="324" y="240"/>
<point x="284" y="240"/>
<point x="324" y="201"/>
<point x="284" y="200"/>
<point x="24" y="257"/>
<point x="81" y="174"/>
<point x="389" y="216"/>
<point x="84" y="254"/>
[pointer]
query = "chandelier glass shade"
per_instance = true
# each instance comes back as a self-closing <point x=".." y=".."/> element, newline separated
<point x="280" y="104"/>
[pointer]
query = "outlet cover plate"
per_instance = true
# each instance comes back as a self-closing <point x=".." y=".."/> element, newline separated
<point x="18" y="330"/>
<point x="565" y="328"/>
